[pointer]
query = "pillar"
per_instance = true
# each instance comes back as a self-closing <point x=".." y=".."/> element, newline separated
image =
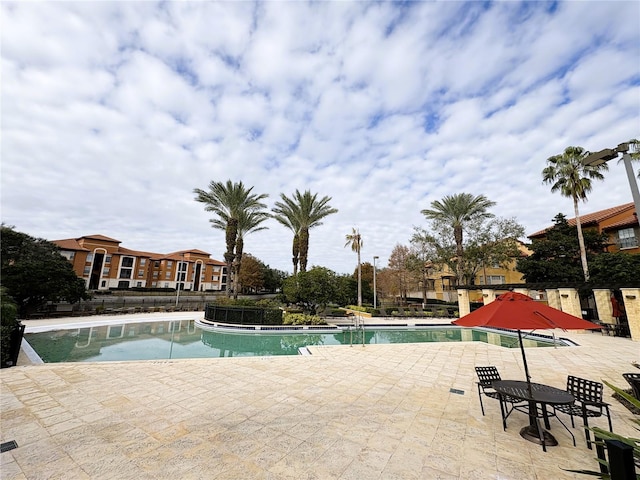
<point x="603" y="305"/>
<point x="488" y="295"/>
<point x="631" y="297"/>
<point x="464" y="307"/>
<point x="553" y="298"/>
<point x="570" y="301"/>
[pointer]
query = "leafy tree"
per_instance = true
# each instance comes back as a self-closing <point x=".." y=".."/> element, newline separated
<point x="400" y="262"/>
<point x="272" y="278"/>
<point x="300" y="213"/>
<point x="618" y="268"/>
<point x="556" y="257"/>
<point x="33" y="272"/>
<point x="488" y="241"/>
<point x="251" y="277"/>
<point x="313" y="290"/>
<point x="634" y="151"/>
<point x="567" y="174"/>
<point x="354" y="240"/>
<point x="456" y="211"/>
<point x="231" y="202"/>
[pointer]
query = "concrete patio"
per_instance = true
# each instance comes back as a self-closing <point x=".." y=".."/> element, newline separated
<point x="373" y="412"/>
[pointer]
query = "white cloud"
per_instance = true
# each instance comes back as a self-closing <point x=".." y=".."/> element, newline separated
<point x="113" y="112"/>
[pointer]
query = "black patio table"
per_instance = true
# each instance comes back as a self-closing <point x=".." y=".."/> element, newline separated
<point x="539" y="394"/>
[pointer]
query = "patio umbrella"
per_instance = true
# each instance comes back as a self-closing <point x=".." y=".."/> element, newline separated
<point x="520" y="312"/>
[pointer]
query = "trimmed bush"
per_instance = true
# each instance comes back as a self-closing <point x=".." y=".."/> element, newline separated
<point x="302" y="319"/>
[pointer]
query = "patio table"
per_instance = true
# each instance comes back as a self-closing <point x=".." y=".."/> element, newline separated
<point x="538" y="394"/>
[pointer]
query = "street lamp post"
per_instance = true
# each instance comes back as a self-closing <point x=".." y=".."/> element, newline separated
<point x="179" y="277"/>
<point x="607" y="154"/>
<point x="375" y="305"/>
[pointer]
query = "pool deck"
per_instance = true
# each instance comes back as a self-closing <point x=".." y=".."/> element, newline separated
<point x="373" y="412"/>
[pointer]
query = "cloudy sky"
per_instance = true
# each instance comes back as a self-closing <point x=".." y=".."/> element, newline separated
<point x="113" y="112"/>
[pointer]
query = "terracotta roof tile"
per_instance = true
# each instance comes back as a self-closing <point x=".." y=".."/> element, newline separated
<point x="69" y="244"/>
<point x="629" y="221"/>
<point x="592" y="218"/>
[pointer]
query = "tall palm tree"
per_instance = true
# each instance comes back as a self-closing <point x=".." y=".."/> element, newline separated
<point x="355" y="241"/>
<point x="457" y="210"/>
<point x="300" y="213"/>
<point x="248" y="222"/>
<point x="230" y="201"/>
<point x="567" y="174"/>
<point x="634" y="151"/>
<point x="286" y="214"/>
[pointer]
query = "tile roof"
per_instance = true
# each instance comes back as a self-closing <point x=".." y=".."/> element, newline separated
<point x="628" y="221"/>
<point x="592" y="218"/>
<point x="69" y="244"/>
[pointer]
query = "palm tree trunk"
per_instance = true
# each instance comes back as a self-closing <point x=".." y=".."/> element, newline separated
<point x="237" y="265"/>
<point x="457" y="234"/>
<point x="359" y="279"/>
<point x="583" y="250"/>
<point x="304" y="248"/>
<point x="231" y="235"/>
<point x="296" y="253"/>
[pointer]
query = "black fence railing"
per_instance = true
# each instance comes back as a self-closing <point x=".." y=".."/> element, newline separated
<point x="243" y="315"/>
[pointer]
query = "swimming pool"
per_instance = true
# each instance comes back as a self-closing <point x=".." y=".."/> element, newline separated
<point x="185" y="339"/>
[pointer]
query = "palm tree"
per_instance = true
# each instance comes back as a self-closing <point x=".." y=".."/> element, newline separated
<point x="457" y="210"/>
<point x="355" y="241"/>
<point x="248" y="222"/>
<point x="230" y="202"/>
<point x="286" y="214"/>
<point x="300" y="213"/>
<point x="566" y="173"/>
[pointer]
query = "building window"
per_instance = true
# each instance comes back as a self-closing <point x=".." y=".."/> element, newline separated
<point x="169" y="263"/>
<point x="215" y="278"/>
<point x="107" y="259"/>
<point x="167" y="275"/>
<point x="155" y="274"/>
<point x="495" y="279"/>
<point x="87" y="270"/>
<point x="141" y="273"/>
<point x="156" y="264"/>
<point x="154" y="284"/>
<point x="216" y="269"/>
<point x="89" y="257"/>
<point x="105" y="272"/>
<point x="126" y="268"/>
<point x="103" y="284"/>
<point x="143" y="262"/>
<point x="123" y="284"/>
<point x="627" y="238"/>
<point x="68" y="255"/>
<point x="138" y="284"/>
<point x="166" y="284"/>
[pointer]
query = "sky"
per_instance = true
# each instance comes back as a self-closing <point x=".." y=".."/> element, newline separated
<point x="113" y="112"/>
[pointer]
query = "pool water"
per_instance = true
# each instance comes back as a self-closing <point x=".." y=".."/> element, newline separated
<point x="184" y="339"/>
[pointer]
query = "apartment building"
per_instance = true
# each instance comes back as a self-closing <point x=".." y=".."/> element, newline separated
<point x="620" y="223"/>
<point x="103" y="264"/>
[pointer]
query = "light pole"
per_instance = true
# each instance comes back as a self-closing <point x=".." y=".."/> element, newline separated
<point x="375" y="305"/>
<point x="607" y="154"/>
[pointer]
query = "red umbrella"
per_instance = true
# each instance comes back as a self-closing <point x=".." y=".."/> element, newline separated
<point x="519" y="312"/>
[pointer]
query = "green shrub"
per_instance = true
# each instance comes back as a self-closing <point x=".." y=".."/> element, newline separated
<point x="301" y="319"/>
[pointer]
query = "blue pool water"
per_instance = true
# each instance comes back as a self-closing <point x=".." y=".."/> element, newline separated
<point x="184" y="339"/>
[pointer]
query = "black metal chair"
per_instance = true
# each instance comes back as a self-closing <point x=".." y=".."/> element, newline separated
<point x="588" y="403"/>
<point x="486" y="377"/>
<point x="633" y="379"/>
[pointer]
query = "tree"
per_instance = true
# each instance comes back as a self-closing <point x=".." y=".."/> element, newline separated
<point x="33" y="272"/>
<point x="457" y="210"/>
<point x="251" y="278"/>
<point x="400" y="268"/>
<point x="555" y="258"/>
<point x="300" y="213"/>
<point x="248" y="222"/>
<point x="230" y="201"/>
<point x="313" y="290"/>
<point x="617" y="268"/>
<point x="354" y="240"/>
<point x="567" y="174"/>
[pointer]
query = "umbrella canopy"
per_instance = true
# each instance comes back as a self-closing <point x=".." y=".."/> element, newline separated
<point x="519" y="312"/>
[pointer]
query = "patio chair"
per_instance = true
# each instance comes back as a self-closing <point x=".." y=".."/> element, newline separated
<point x="588" y="403"/>
<point x="486" y="377"/>
<point x="633" y="379"/>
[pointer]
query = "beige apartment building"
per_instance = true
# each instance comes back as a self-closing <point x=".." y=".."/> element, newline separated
<point x="103" y="264"/>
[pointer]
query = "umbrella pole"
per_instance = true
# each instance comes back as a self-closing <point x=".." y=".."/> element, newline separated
<point x="524" y="360"/>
